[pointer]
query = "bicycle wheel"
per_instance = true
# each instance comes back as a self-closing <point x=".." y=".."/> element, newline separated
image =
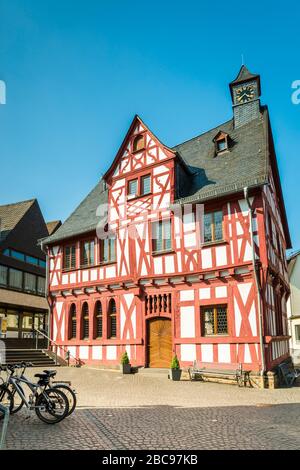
<point x="18" y="401"/>
<point x="70" y="396"/>
<point x="52" y="406"/>
<point x="6" y="399"/>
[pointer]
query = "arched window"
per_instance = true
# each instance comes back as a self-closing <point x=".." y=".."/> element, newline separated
<point x="112" y="319"/>
<point x="73" y="322"/>
<point x="138" y="143"/>
<point x="85" y="321"/>
<point x="98" y="325"/>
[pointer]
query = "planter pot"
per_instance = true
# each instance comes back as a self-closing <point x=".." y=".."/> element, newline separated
<point x="175" y="374"/>
<point x="125" y="368"/>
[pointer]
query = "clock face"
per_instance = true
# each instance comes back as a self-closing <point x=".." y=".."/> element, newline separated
<point x="245" y="93"/>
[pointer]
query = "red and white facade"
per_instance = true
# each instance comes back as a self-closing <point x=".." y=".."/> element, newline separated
<point x="177" y="283"/>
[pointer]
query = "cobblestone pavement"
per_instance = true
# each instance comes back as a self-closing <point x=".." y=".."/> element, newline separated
<point x="150" y="412"/>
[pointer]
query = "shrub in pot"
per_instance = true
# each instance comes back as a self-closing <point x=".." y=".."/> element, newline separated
<point x="125" y="364"/>
<point x="175" y="371"/>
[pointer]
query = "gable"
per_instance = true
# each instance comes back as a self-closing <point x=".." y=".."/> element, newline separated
<point x="10" y="216"/>
<point x="131" y="157"/>
<point x="25" y="235"/>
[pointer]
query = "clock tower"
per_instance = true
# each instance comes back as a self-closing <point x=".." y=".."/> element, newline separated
<point x="245" y="93"/>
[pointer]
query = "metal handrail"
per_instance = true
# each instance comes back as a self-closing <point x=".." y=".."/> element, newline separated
<point x="52" y="342"/>
<point x="5" y="410"/>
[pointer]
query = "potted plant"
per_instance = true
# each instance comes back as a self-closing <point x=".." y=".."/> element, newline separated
<point x="125" y="364"/>
<point x="175" y="371"/>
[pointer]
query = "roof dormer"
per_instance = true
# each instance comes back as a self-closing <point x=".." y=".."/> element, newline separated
<point x="221" y="141"/>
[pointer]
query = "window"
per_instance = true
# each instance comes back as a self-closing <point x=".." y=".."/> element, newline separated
<point x="17" y="255"/>
<point x="213" y="226"/>
<point x="112" y="319"/>
<point x="73" y="322"/>
<point x="15" y="279"/>
<point x="25" y="258"/>
<point x="108" y="250"/>
<point x="85" y="321"/>
<point x="3" y="275"/>
<point x="221" y="145"/>
<point x="133" y="187"/>
<point x="87" y="253"/>
<point x="278" y="314"/>
<point x="98" y="332"/>
<point x="70" y="257"/>
<point x="297" y="333"/>
<point x="145" y="184"/>
<point x="138" y="143"/>
<point x="221" y="142"/>
<point x="214" y="320"/>
<point x="270" y="227"/>
<point x="161" y="236"/>
<point x="32" y="260"/>
<point x="41" y="285"/>
<point x="30" y="282"/>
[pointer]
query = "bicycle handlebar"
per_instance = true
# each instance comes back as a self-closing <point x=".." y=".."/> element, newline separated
<point x="12" y="367"/>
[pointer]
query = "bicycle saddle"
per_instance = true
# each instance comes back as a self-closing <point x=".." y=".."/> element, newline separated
<point x="41" y="376"/>
<point x="51" y="373"/>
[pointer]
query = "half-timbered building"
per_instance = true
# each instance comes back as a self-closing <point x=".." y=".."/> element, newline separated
<point x="179" y="250"/>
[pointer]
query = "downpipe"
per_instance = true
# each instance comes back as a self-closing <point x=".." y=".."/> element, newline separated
<point x="47" y="288"/>
<point x="258" y="289"/>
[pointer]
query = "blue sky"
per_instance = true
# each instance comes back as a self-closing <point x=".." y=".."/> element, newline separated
<point x="77" y="71"/>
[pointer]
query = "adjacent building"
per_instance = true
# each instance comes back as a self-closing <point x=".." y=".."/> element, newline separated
<point x="179" y="250"/>
<point x="293" y="306"/>
<point x="23" y="304"/>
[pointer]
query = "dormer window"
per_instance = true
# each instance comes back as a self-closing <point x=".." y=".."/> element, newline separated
<point x="221" y="142"/>
<point x="221" y="145"/>
<point x="138" y="143"/>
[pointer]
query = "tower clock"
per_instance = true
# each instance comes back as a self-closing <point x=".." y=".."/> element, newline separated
<point x="245" y="93"/>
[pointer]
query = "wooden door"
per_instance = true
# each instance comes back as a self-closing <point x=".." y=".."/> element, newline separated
<point x="159" y="342"/>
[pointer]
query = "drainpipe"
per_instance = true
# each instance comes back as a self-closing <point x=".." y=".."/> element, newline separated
<point x="258" y="290"/>
<point x="47" y="289"/>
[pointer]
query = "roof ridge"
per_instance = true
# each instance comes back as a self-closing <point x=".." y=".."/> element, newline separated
<point x="18" y="203"/>
<point x="203" y="133"/>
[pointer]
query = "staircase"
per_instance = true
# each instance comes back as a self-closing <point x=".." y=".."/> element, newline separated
<point x="38" y="357"/>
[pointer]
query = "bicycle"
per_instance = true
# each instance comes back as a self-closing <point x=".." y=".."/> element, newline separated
<point x="64" y="386"/>
<point x="50" y="404"/>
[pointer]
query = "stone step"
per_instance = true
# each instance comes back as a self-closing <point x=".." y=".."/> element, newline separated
<point x="153" y="371"/>
<point x="37" y="357"/>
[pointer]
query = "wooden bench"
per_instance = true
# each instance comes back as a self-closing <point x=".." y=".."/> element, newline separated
<point x="238" y="374"/>
<point x="288" y="373"/>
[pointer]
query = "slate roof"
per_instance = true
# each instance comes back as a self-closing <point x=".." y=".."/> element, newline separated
<point x="245" y="164"/>
<point x="11" y="214"/>
<point x="84" y="218"/>
<point x="291" y="261"/>
<point x="243" y="75"/>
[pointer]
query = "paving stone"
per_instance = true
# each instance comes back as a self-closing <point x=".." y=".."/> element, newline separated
<point x="118" y="413"/>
